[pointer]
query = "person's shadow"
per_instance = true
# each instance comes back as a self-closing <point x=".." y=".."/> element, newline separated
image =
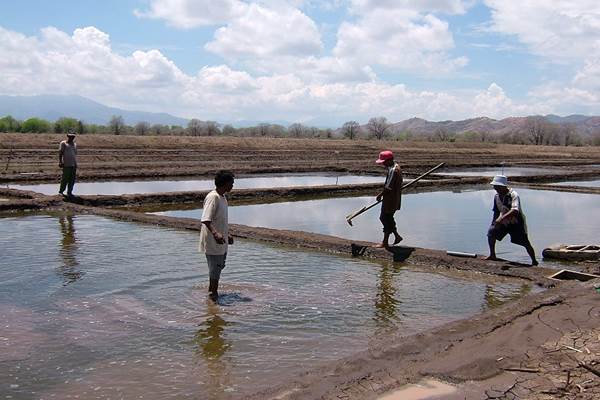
<point x="69" y="270"/>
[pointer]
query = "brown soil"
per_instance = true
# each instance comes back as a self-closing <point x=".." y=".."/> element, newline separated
<point x="543" y="346"/>
<point x="25" y="157"/>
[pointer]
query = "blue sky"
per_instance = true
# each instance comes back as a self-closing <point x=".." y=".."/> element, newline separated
<point x="314" y="62"/>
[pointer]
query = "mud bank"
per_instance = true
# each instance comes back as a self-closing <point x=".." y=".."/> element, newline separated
<point x="247" y="196"/>
<point x="542" y="347"/>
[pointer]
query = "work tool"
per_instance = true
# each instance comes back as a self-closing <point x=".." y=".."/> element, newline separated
<point x="356" y="213"/>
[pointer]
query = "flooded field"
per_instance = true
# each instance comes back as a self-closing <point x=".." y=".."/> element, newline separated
<point x="443" y="220"/>
<point x="588" y="183"/>
<point x="96" y="309"/>
<point x="158" y="186"/>
<point x="508" y="171"/>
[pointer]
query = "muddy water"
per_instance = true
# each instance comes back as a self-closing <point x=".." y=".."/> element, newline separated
<point x="508" y="171"/>
<point x="99" y="309"/>
<point x="443" y="220"/>
<point x="590" y="183"/>
<point x="265" y="181"/>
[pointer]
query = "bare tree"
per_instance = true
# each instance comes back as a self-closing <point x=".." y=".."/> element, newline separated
<point x="142" y="128"/>
<point x="535" y="130"/>
<point x="378" y="126"/>
<point x="228" y="130"/>
<point x="350" y="129"/>
<point x="116" y="124"/>
<point x="211" y="128"/>
<point x="296" y="130"/>
<point x="194" y="127"/>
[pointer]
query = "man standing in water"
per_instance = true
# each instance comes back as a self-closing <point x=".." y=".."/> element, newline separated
<point x="508" y="219"/>
<point x="67" y="160"/>
<point x="214" y="235"/>
<point x="390" y="196"/>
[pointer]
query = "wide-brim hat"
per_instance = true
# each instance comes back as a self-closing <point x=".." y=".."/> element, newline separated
<point x="384" y="156"/>
<point x="499" y="180"/>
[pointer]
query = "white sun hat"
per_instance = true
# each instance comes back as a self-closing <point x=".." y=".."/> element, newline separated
<point x="499" y="180"/>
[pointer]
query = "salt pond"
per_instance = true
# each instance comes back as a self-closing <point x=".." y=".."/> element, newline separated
<point x="508" y="171"/>
<point x="97" y="308"/>
<point x="158" y="186"/>
<point x="589" y="183"/>
<point x="447" y="220"/>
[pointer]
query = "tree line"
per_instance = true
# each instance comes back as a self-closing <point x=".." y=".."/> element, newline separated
<point x="536" y="130"/>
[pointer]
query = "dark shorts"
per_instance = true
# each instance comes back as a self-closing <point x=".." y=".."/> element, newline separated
<point x="389" y="224"/>
<point x="517" y="233"/>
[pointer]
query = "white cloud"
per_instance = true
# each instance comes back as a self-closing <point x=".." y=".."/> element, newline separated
<point x="561" y="30"/>
<point x="193" y="13"/>
<point x="84" y="63"/>
<point x="588" y="77"/>
<point x="263" y="32"/>
<point x="423" y="6"/>
<point x="399" y="39"/>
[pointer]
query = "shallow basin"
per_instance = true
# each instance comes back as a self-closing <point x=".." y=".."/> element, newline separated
<point x="445" y="220"/>
<point x="97" y="308"/>
<point x="159" y="186"/>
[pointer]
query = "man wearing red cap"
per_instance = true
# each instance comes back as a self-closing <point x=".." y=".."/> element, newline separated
<point x="390" y="197"/>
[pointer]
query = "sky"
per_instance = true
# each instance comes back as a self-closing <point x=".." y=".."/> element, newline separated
<point x="314" y="62"/>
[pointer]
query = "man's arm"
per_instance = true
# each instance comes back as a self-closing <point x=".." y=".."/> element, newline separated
<point x="216" y="234"/>
<point x="61" y="151"/>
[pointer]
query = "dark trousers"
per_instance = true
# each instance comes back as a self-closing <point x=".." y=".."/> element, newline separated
<point x="389" y="224"/>
<point x="68" y="179"/>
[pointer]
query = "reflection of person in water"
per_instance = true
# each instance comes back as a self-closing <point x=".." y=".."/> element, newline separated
<point x="69" y="270"/>
<point x="385" y="302"/>
<point x="212" y="345"/>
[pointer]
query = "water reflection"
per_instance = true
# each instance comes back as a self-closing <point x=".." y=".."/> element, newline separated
<point x="456" y="220"/>
<point x="508" y="171"/>
<point x="212" y="345"/>
<point x="590" y="183"/>
<point x="386" y="303"/>
<point x="69" y="270"/>
<point x="248" y="182"/>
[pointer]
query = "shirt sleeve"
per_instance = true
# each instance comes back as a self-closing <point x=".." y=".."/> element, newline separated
<point x="516" y="202"/>
<point x="61" y="147"/>
<point x="209" y="209"/>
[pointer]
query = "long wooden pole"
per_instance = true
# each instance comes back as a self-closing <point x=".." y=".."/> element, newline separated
<point x="356" y="213"/>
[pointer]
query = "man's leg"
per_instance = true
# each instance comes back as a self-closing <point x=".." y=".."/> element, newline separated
<point x="397" y="237"/>
<point x="216" y="263"/>
<point x="63" y="180"/>
<point x="491" y="235"/>
<point x="71" y="181"/>
<point x="531" y="252"/>
<point x="387" y="230"/>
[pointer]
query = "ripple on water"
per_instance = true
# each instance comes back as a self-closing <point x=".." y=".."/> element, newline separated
<point x="102" y="308"/>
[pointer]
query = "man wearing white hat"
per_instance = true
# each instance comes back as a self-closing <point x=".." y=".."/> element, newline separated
<point x="508" y="219"/>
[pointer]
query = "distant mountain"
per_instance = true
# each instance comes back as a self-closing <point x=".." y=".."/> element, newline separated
<point x="52" y="107"/>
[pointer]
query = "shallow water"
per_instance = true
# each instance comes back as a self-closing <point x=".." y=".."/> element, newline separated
<point x="99" y="309"/>
<point x="158" y="186"/>
<point x="445" y="220"/>
<point x="508" y="171"/>
<point x="590" y="183"/>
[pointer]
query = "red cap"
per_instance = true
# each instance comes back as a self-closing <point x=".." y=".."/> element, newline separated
<point x="384" y="156"/>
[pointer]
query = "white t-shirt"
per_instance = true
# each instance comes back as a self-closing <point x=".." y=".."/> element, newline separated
<point x="215" y="211"/>
<point x="69" y="152"/>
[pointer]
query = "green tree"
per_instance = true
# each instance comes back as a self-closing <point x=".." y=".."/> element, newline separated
<point x="65" y="124"/>
<point x="36" y="125"/>
<point x="9" y="124"/>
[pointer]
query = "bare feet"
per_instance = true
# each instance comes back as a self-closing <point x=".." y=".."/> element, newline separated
<point x="397" y="239"/>
<point x="534" y="263"/>
<point x="491" y="258"/>
<point x="381" y="246"/>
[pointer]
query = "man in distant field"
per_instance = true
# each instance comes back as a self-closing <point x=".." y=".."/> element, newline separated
<point x="390" y="197"/>
<point x="214" y="235"/>
<point x="508" y="219"/>
<point x="67" y="160"/>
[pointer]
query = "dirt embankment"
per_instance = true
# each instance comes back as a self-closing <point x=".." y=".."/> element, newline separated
<point x="35" y="157"/>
